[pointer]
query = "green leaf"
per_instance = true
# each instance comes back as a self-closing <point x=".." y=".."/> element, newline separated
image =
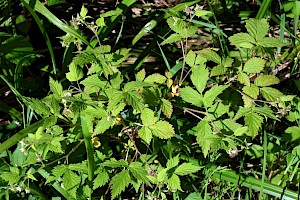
<point x="243" y="78"/>
<point x="155" y="78"/>
<point x="257" y="28"/>
<point x="194" y="196"/>
<point x="59" y="170"/>
<point x="55" y="87"/>
<point x="11" y="177"/>
<point x="139" y="172"/>
<point x="173" y="162"/>
<point x="101" y="179"/>
<point x="83" y="11"/>
<point x="266" y="80"/>
<point x="162" y="175"/>
<point x="212" y="94"/>
<point x="75" y="73"/>
<point x="190" y="58"/>
<point x="186" y="169"/>
<point x="254" y="65"/>
<point x="146" y="134"/>
<point x="291" y="134"/>
<point x="218" y="70"/>
<point x="269" y="42"/>
<point x="119" y="182"/>
<point x="147" y="117"/>
<point x="240" y="131"/>
<point x="199" y="77"/>
<point x="39" y="107"/>
<point x="190" y="95"/>
<point x="163" y="130"/>
<point x="140" y="76"/>
<point x="93" y="81"/>
<point x="252" y="91"/>
<point x="174" y="182"/>
<point x="241" y="112"/>
<point x="254" y="123"/>
<point x="166" y="107"/>
<point x="113" y="163"/>
<point x="271" y="94"/>
<point x="265" y="111"/>
<point x="200" y="13"/>
<point x="210" y="55"/>
<point x="217" y="110"/>
<point x="243" y="40"/>
<point x="135" y="100"/>
<point x="171" y="39"/>
<point x="100" y="22"/>
<point x="71" y="182"/>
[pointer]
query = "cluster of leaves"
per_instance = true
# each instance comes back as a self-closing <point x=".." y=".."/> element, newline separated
<point x="118" y="132"/>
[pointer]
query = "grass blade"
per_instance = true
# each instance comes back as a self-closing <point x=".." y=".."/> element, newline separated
<point x="48" y="42"/>
<point x="20" y="135"/>
<point x="39" y="7"/>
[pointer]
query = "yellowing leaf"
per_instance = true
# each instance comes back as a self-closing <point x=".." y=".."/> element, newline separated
<point x="163" y="130"/>
<point x="254" y="65"/>
<point x="266" y="80"/>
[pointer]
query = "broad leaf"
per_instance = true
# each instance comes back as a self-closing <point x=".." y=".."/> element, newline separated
<point x="146" y="134"/>
<point x="173" y="162"/>
<point x="271" y="94"/>
<point x="199" y="77"/>
<point x="190" y="95"/>
<point x="166" y="107"/>
<point x="119" y="182"/>
<point x="257" y="28"/>
<point x="103" y="125"/>
<point x="174" y="182"/>
<point x="242" y="40"/>
<point x="147" y="117"/>
<point x="113" y="163"/>
<point x="243" y="78"/>
<point x="254" y="65"/>
<point x="186" y="169"/>
<point x="140" y="76"/>
<point x="254" y="123"/>
<point x="163" y="130"/>
<point x="266" y="80"/>
<point x="155" y="78"/>
<point x="56" y="87"/>
<point x="172" y="38"/>
<point x="139" y="172"/>
<point x="211" y="95"/>
<point x="210" y="55"/>
<point x="75" y="73"/>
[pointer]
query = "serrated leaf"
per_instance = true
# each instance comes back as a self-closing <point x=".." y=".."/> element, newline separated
<point x="243" y="40"/>
<point x="80" y="167"/>
<point x="252" y="91"/>
<point x="166" y="107"/>
<point x="190" y="95"/>
<point x="254" y="123"/>
<point x="254" y="65"/>
<point x="172" y="38"/>
<point x="147" y="117"/>
<point x="75" y="73"/>
<point x="240" y="131"/>
<point x="271" y="94"/>
<point x="210" y="55"/>
<point x="257" y="28"/>
<point x="155" y="78"/>
<point x="100" y="22"/>
<point x="39" y="107"/>
<point x="162" y="175"/>
<point x="59" y="170"/>
<point x="162" y="130"/>
<point x="199" y="77"/>
<point x="243" y="78"/>
<point x="103" y="125"/>
<point x="291" y="134"/>
<point x="269" y="42"/>
<point x="186" y="169"/>
<point x="211" y="95"/>
<point x="226" y="126"/>
<point x="173" y="162"/>
<point x="174" y="182"/>
<point x="11" y="177"/>
<point x="71" y="182"/>
<point x="135" y="100"/>
<point x="218" y="70"/>
<point x="146" y="134"/>
<point x="265" y="111"/>
<point x="101" y="179"/>
<point x="200" y="13"/>
<point x="190" y="58"/>
<point x="266" y="80"/>
<point x="119" y="182"/>
<point x="139" y="172"/>
<point x="241" y="112"/>
<point x="55" y="87"/>
<point x="217" y="110"/>
<point x="113" y="163"/>
<point x="140" y="76"/>
<point x="93" y="81"/>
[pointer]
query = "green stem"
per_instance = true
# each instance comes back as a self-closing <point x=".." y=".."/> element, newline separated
<point x="265" y="146"/>
<point x="263" y="9"/>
